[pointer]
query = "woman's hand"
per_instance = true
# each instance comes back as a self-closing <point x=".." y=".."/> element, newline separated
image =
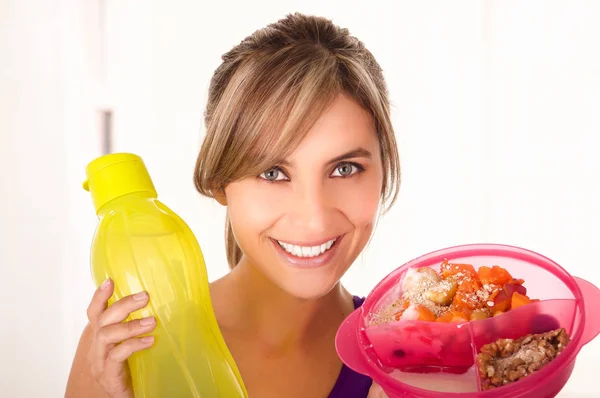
<point x="114" y="341"/>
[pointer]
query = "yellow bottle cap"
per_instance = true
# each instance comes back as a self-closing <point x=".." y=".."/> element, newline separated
<point x="114" y="175"/>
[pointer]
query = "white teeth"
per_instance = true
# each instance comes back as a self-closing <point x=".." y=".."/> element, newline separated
<point x="306" y="251"/>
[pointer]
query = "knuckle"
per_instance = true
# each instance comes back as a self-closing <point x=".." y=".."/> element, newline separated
<point x="102" y="322"/>
<point x="113" y="355"/>
<point x="102" y="336"/>
<point x="132" y="326"/>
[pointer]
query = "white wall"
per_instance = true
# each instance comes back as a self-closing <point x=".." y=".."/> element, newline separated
<point x="495" y="106"/>
<point x="48" y="72"/>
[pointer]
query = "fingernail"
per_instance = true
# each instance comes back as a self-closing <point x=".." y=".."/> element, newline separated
<point x="105" y="284"/>
<point x="147" y="321"/>
<point x="148" y="339"/>
<point x="140" y="296"/>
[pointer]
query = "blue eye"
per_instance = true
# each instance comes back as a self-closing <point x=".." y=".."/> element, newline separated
<point x="346" y="170"/>
<point x="274" y="174"/>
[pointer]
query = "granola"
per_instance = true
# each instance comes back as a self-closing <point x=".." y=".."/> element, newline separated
<point x="506" y="360"/>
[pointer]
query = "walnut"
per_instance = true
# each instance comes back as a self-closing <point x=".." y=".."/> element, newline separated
<point x="505" y="360"/>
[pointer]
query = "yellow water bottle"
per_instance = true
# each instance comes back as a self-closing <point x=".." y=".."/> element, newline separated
<point x="143" y="245"/>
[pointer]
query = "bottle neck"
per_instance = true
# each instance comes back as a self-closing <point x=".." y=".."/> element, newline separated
<point x="117" y="202"/>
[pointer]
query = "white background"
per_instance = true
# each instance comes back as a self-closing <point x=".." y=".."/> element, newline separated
<point x="495" y="104"/>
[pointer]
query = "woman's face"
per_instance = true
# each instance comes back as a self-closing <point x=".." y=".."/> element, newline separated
<point x="305" y="221"/>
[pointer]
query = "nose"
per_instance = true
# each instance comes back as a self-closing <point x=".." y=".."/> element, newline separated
<point x="311" y="210"/>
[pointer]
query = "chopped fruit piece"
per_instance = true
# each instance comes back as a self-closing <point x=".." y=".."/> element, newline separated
<point x="425" y="314"/>
<point x="494" y="276"/>
<point x="402" y="307"/>
<point x="463" y="270"/>
<point x="519" y="300"/>
<point x="418" y="312"/>
<point x="416" y="277"/>
<point x="442" y="293"/>
<point x="453" y="317"/>
<point x="485" y="274"/>
<point x="478" y="315"/>
<point x="512" y="288"/>
<point x="469" y="285"/>
<point x="447" y="317"/>
<point x="457" y="293"/>
<point x="501" y="301"/>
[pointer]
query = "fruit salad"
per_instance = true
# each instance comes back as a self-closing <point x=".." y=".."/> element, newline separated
<point x="455" y="293"/>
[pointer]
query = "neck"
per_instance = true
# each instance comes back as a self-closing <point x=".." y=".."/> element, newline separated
<point x="254" y="305"/>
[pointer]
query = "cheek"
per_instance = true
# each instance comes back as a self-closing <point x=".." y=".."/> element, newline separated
<point x="251" y="209"/>
<point x="360" y="200"/>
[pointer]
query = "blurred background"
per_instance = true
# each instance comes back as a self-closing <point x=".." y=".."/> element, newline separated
<point x="495" y="103"/>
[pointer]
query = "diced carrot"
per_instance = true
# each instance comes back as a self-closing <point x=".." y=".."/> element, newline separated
<point x="519" y="300"/>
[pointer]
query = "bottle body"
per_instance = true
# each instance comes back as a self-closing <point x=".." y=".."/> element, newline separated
<point x="142" y="245"/>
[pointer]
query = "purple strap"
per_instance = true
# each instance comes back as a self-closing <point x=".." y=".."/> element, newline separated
<point x="351" y="384"/>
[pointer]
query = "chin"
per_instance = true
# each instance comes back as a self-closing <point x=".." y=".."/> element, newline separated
<point x="308" y="287"/>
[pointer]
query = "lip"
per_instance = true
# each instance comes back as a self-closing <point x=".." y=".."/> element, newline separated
<point x="307" y="244"/>
<point x="308" y="262"/>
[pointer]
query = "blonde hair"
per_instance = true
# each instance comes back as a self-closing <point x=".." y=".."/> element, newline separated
<point x="269" y="91"/>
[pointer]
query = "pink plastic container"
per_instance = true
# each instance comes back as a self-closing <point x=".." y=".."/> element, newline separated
<point x="424" y="348"/>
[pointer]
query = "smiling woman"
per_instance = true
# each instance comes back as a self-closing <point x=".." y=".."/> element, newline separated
<point x="326" y="192"/>
<point x="301" y="150"/>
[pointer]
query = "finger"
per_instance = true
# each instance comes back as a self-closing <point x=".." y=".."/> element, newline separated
<point x="108" y="336"/>
<point x="121" y="309"/>
<point x="116" y="333"/>
<point x="100" y="300"/>
<point x="114" y="366"/>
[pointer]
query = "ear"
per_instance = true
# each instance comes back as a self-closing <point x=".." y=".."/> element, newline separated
<point x="220" y="197"/>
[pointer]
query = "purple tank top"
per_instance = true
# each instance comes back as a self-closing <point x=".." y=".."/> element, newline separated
<point x="351" y="384"/>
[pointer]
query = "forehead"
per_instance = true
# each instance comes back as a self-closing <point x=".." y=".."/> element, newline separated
<point x="344" y="126"/>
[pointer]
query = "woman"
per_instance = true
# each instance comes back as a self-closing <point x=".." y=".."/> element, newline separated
<point x="300" y="149"/>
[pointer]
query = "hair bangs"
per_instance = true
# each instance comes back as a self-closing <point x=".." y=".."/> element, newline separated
<point x="287" y="103"/>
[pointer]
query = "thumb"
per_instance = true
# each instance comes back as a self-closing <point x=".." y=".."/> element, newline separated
<point x="100" y="300"/>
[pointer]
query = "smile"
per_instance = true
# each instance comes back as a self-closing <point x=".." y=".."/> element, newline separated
<point x="306" y="251"/>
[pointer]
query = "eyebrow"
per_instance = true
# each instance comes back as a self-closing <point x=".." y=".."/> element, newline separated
<point x="356" y="153"/>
